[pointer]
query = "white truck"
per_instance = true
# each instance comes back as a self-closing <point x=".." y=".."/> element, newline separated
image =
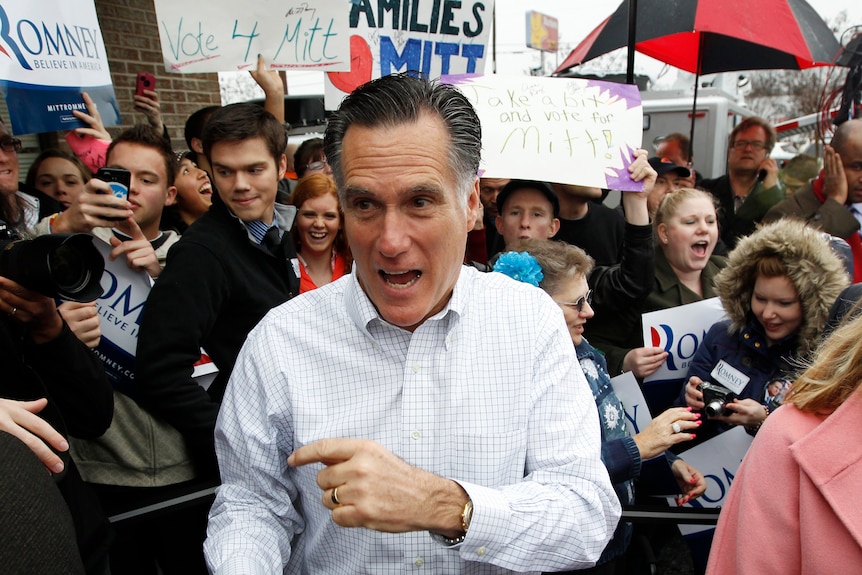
<point x="717" y="112"/>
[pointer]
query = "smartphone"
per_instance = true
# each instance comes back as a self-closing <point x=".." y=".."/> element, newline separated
<point x="118" y="179"/>
<point x="146" y="81"/>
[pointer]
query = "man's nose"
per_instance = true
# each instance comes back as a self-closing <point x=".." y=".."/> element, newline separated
<point x="393" y="238"/>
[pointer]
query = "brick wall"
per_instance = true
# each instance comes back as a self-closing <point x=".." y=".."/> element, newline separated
<point x="131" y="36"/>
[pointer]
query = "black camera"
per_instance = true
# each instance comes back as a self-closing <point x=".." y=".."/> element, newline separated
<point x="715" y="398"/>
<point x="65" y="266"/>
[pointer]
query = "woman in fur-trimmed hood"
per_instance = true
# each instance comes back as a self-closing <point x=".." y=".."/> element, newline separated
<point x="817" y="273"/>
<point x="777" y="289"/>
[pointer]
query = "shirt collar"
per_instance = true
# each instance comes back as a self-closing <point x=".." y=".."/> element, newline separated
<point x="283" y="217"/>
<point x="362" y="312"/>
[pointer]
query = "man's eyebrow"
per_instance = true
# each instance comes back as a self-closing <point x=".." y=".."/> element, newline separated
<point x="237" y="168"/>
<point x="354" y="191"/>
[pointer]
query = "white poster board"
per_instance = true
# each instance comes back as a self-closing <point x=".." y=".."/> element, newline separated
<point x="433" y="38"/>
<point x="628" y="391"/>
<point x="223" y="35"/>
<point x="120" y="308"/>
<point x="718" y="459"/>
<point x="679" y="331"/>
<point x="50" y="52"/>
<point x="565" y="130"/>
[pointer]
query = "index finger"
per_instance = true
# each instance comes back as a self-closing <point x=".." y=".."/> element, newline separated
<point x="134" y="228"/>
<point x="326" y="451"/>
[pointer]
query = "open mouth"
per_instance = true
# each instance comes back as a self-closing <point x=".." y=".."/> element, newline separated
<point x="700" y="249"/>
<point x="206" y="189"/>
<point x="400" y="280"/>
<point x="317" y="235"/>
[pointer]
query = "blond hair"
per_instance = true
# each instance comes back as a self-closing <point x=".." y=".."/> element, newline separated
<point x="834" y="373"/>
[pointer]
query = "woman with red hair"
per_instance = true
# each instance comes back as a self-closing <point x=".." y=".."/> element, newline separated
<point x="318" y="232"/>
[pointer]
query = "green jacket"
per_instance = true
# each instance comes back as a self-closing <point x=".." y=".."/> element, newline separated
<point x="617" y="330"/>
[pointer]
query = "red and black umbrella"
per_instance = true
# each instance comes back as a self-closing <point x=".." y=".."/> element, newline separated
<point x="710" y="36"/>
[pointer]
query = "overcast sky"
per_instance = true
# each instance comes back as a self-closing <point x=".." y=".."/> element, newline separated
<point x="577" y="18"/>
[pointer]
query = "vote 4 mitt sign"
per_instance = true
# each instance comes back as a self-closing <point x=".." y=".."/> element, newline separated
<point x="50" y="52"/>
<point x="222" y="35"/>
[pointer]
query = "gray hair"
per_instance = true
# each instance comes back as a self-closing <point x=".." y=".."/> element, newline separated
<point x="399" y="99"/>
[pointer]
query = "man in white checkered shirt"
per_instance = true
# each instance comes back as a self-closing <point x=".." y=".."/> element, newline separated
<point x="416" y="415"/>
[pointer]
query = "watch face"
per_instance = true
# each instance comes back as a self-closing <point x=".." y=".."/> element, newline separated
<point x="467" y="515"/>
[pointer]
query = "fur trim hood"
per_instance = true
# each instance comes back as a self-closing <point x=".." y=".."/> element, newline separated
<point x="817" y="273"/>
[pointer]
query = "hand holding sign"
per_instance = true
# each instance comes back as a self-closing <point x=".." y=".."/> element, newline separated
<point x="644" y="361"/>
<point x="83" y="320"/>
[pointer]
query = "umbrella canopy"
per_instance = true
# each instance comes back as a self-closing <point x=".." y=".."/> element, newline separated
<point x="711" y="36"/>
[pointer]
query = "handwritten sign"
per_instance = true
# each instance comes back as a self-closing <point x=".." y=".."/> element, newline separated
<point x="223" y="35"/>
<point x="433" y="38"/>
<point x="718" y="459"/>
<point x="50" y="52"/>
<point x="120" y="308"/>
<point x="638" y="415"/>
<point x="565" y="130"/>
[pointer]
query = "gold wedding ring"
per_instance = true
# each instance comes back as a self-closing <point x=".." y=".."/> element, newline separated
<point x="334" y="497"/>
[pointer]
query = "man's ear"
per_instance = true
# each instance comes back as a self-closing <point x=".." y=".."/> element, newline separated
<point x="171" y="196"/>
<point x="555" y="226"/>
<point x="473" y="203"/>
<point x="197" y="145"/>
<point x="282" y="166"/>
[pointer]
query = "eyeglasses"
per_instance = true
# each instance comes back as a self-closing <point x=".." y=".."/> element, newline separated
<point x="580" y="302"/>
<point x="742" y="144"/>
<point x="319" y="165"/>
<point x="11" y="145"/>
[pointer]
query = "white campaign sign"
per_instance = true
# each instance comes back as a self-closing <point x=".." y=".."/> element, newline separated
<point x="718" y="459"/>
<point x="50" y="52"/>
<point x="679" y="331"/>
<point x="630" y="395"/>
<point x="223" y="35"/>
<point x="566" y="130"/>
<point x="120" y="308"/>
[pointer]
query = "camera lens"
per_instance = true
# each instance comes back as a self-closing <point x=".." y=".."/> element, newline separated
<point x="714" y="408"/>
<point x="68" y="269"/>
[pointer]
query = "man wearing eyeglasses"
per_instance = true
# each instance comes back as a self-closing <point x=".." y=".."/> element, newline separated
<point x="20" y="208"/>
<point x="751" y="184"/>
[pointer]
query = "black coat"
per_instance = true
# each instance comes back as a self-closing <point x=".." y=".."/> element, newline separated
<point x="80" y="404"/>
<point x="216" y="286"/>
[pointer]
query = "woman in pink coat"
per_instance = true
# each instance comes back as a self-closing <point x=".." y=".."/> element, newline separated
<point x="795" y="503"/>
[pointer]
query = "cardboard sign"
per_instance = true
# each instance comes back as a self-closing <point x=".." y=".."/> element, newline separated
<point x="679" y="331"/>
<point x="718" y="459"/>
<point x="223" y="35"/>
<point x="433" y="38"/>
<point x="565" y="130"/>
<point x="50" y="52"/>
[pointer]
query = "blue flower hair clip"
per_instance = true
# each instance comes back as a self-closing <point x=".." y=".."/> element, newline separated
<point x="521" y="266"/>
